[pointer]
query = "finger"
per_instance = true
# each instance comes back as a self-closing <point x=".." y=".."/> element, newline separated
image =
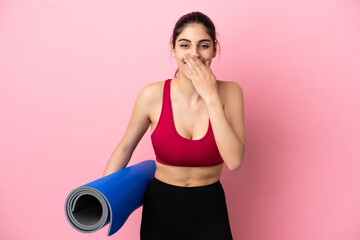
<point x="198" y="65"/>
<point x="208" y="67"/>
<point x="204" y="67"/>
<point x="192" y="67"/>
<point x="195" y="64"/>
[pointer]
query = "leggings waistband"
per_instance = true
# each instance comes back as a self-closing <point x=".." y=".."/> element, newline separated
<point x="196" y="189"/>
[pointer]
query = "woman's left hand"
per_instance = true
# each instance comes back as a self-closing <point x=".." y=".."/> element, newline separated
<point x="202" y="77"/>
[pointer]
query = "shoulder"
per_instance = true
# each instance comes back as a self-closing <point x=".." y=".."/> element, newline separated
<point x="152" y="90"/>
<point x="229" y="86"/>
<point x="151" y="94"/>
<point x="229" y="90"/>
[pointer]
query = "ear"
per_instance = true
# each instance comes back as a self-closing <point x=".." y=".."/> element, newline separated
<point x="215" y="49"/>
<point x="172" y="50"/>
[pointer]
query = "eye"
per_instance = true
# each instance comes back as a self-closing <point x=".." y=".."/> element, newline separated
<point x="204" y="45"/>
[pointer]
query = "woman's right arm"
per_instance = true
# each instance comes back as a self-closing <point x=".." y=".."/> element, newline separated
<point x="138" y="125"/>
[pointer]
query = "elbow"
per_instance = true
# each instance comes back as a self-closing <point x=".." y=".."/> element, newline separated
<point x="235" y="167"/>
<point x="237" y="159"/>
<point x="236" y="163"/>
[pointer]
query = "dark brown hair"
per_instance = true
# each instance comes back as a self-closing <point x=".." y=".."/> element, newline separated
<point x="194" y="17"/>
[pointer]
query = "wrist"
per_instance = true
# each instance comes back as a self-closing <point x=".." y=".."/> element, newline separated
<point x="213" y="100"/>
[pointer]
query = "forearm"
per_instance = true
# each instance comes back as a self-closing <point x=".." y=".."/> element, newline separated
<point x="230" y="146"/>
<point x="118" y="160"/>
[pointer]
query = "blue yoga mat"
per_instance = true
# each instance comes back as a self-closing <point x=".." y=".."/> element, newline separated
<point x="110" y="199"/>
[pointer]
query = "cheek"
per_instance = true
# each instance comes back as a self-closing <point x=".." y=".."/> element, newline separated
<point x="182" y="63"/>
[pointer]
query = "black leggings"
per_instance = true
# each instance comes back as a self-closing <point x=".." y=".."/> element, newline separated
<point x="173" y="212"/>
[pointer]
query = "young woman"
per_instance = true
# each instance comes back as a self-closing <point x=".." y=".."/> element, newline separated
<point x="197" y="125"/>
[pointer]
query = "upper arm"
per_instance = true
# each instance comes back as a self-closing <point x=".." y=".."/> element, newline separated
<point x="234" y="109"/>
<point x="139" y="120"/>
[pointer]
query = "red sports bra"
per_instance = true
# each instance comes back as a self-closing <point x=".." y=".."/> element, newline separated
<point x="173" y="149"/>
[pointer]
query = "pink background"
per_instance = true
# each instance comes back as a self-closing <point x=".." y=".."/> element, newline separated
<point x="70" y="72"/>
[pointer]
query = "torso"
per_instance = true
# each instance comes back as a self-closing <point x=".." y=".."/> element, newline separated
<point x="191" y="121"/>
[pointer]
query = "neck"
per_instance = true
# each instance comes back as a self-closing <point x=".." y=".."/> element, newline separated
<point x="186" y="89"/>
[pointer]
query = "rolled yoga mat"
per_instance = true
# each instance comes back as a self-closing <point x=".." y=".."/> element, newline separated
<point x="110" y="199"/>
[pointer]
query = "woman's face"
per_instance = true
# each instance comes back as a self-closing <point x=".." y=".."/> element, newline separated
<point x="195" y="41"/>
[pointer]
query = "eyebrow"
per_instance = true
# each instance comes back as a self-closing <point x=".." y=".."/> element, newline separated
<point x="187" y="40"/>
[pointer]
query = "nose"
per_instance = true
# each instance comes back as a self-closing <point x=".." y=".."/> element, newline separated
<point x="195" y="53"/>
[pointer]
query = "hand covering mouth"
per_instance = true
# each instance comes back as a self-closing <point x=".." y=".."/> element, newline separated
<point x="203" y="61"/>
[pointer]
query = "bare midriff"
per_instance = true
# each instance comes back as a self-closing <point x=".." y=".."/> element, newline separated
<point x="188" y="176"/>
